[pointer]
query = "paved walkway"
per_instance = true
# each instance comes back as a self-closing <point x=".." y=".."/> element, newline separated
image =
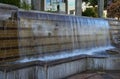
<point x="97" y="75"/>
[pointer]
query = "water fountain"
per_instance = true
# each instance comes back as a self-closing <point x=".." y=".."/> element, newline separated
<point x="68" y="35"/>
<point x="51" y="46"/>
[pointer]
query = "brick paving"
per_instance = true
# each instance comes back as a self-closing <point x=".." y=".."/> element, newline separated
<point x="96" y="75"/>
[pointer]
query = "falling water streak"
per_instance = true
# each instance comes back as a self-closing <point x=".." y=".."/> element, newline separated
<point x="65" y="29"/>
<point x="72" y="29"/>
<point x="76" y="33"/>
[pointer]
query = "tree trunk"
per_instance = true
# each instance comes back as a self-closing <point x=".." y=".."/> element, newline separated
<point x="100" y="8"/>
<point x="78" y="7"/>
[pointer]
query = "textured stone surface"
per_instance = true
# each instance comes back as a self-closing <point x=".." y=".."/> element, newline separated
<point x="97" y="75"/>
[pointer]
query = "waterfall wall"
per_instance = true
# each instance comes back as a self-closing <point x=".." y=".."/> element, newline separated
<point x="29" y="33"/>
<point x="44" y="33"/>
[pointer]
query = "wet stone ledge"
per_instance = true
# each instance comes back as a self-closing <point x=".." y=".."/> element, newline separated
<point x="60" y="68"/>
<point x="55" y="69"/>
<point x="19" y="65"/>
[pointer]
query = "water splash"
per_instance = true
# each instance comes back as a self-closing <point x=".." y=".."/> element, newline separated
<point x="67" y="54"/>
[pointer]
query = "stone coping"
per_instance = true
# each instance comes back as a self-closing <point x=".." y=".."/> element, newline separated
<point x="11" y="66"/>
<point x="8" y="7"/>
<point x="41" y="15"/>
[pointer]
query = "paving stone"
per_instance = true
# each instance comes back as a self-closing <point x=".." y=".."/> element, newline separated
<point x="96" y="75"/>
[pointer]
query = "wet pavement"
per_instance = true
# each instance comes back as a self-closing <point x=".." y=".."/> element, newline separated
<point x="97" y="75"/>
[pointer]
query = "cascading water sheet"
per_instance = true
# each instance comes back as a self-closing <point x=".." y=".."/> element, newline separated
<point x="63" y="35"/>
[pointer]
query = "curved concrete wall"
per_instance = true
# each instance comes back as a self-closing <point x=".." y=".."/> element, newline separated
<point x="58" y="69"/>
